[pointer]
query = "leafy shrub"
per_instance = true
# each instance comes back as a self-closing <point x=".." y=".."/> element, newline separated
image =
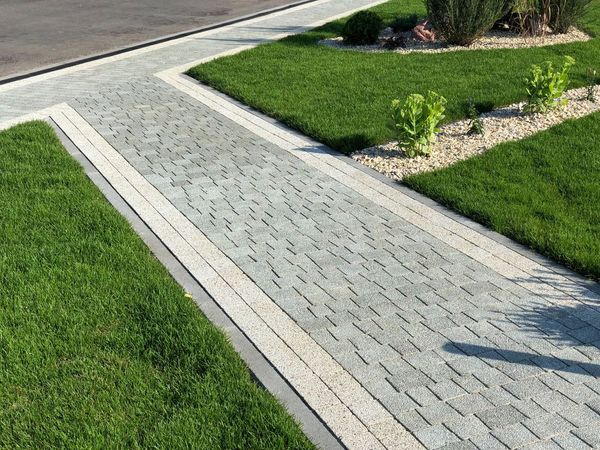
<point x="362" y="28"/>
<point x="475" y="123"/>
<point x="546" y="86"/>
<point x="531" y="17"/>
<point x="566" y="13"/>
<point x="404" y="23"/>
<point x="462" y="22"/>
<point x="416" y="121"/>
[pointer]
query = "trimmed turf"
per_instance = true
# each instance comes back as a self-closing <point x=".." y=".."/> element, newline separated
<point x="342" y="98"/>
<point x="543" y="191"/>
<point x="99" y="347"/>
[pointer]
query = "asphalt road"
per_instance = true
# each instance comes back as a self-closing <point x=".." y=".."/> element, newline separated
<point x="38" y="33"/>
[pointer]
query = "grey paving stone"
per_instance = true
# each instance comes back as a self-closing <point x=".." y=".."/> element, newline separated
<point x="438" y="412"/>
<point x="436" y="436"/>
<point x="467" y="427"/>
<point x="439" y="373"/>
<point x="397" y="402"/>
<point x="527" y="388"/>
<point x="411" y="420"/>
<point x="542" y="445"/>
<point x="529" y="408"/>
<point x="469" y="383"/>
<point x="500" y="416"/>
<point x="422" y="396"/>
<point x="548" y="425"/>
<point x="580" y="415"/>
<point x="461" y="445"/>
<point x="515" y="436"/>
<point x="409" y="378"/>
<point x="447" y="390"/>
<point x="553" y="401"/>
<point x="570" y="441"/>
<point x="590" y="435"/>
<point x="470" y="404"/>
<point x="487" y="442"/>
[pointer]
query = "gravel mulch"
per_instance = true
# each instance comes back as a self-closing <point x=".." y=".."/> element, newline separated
<point x="494" y="39"/>
<point x="453" y="142"/>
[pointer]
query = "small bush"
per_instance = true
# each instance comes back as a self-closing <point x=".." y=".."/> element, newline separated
<point x="416" y="121"/>
<point x="362" y="28"/>
<point x="475" y="123"/>
<point x="404" y="23"/>
<point x="531" y="17"/>
<point x="462" y="22"/>
<point x="566" y="13"/>
<point x="546" y="86"/>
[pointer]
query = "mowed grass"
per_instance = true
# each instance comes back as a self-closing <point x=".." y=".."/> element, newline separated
<point x="342" y="98"/>
<point x="99" y="347"/>
<point x="543" y="191"/>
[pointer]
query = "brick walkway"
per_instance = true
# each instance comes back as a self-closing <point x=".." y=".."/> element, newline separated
<point x="385" y="312"/>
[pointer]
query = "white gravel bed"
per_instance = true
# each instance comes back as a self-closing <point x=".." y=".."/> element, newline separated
<point x="453" y="142"/>
<point x="495" y="39"/>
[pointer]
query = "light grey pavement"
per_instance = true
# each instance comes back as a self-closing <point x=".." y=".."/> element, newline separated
<point x="36" y="33"/>
<point x="464" y="341"/>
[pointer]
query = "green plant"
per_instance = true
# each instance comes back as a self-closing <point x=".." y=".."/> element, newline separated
<point x="592" y="82"/>
<point x="566" y="13"/>
<point x="362" y="28"/>
<point x="416" y="121"/>
<point x="531" y="17"/>
<point x="475" y="122"/>
<point x="546" y="86"/>
<point x="404" y="23"/>
<point x="462" y="22"/>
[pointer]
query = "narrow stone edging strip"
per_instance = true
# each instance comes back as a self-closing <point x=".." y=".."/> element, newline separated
<point x="342" y="403"/>
<point x="526" y="272"/>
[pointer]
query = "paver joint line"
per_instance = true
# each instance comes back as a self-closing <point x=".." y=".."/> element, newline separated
<point x="383" y="313"/>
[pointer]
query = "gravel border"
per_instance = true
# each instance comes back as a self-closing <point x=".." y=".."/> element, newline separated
<point x="454" y="144"/>
<point x="494" y="39"/>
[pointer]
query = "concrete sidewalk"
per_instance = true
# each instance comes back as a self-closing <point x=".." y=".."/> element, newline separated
<point x="398" y="323"/>
<point x="38" y="34"/>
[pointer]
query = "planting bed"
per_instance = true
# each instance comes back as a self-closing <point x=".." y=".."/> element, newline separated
<point x="495" y="39"/>
<point x="454" y="143"/>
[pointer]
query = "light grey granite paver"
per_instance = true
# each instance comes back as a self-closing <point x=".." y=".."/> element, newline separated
<point x="463" y="356"/>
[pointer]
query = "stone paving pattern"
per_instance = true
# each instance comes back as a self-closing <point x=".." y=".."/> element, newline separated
<point x="462" y="356"/>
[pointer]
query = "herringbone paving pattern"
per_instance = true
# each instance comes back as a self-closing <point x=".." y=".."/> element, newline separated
<point x="462" y="356"/>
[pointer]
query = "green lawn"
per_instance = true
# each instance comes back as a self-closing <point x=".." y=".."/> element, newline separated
<point x="543" y="191"/>
<point x="342" y="98"/>
<point x="99" y="347"/>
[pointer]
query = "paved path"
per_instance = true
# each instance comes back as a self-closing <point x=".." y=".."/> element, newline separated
<point x="385" y="312"/>
<point x="40" y="33"/>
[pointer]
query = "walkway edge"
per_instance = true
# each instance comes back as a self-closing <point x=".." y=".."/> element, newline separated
<point x="506" y="261"/>
<point x="262" y="370"/>
<point x="343" y="404"/>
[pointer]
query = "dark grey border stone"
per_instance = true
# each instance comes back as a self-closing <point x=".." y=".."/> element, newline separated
<point x="262" y="370"/>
